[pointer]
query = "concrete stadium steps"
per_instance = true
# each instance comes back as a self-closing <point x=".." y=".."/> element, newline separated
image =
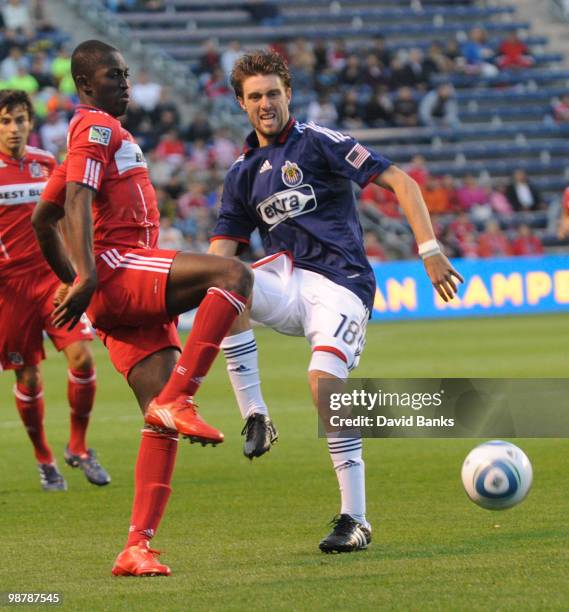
<point x="258" y="34"/>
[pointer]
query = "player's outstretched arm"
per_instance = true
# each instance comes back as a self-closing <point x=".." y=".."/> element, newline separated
<point x="79" y="234"/>
<point x="438" y="267"/>
<point x="45" y="221"/>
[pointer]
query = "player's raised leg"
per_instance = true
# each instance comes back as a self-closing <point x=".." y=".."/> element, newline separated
<point x="221" y="287"/>
<point x="241" y="356"/>
<point x="28" y="392"/>
<point x="81" y="388"/>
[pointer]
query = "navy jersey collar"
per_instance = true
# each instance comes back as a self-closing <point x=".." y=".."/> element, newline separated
<point x="252" y="142"/>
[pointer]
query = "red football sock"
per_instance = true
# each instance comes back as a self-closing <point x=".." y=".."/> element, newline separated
<point x="31" y="409"/>
<point x="152" y="476"/>
<point x="213" y="319"/>
<point x="81" y="388"/>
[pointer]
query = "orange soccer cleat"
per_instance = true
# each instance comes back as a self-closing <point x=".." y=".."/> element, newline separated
<point x="182" y="416"/>
<point x="139" y="560"/>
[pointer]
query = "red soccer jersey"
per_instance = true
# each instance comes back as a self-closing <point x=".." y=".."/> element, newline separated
<point x="565" y="202"/>
<point x="105" y="157"/>
<point x="21" y="184"/>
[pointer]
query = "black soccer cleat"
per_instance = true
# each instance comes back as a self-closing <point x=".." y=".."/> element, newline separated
<point x="51" y="478"/>
<point x="347" y="536"/>
<point x="93" y="470"/>
<point x="260" y="434"/>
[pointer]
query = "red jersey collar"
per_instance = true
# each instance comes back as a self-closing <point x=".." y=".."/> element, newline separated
<point x="13" y="160"/>
<point x="252" y="142"/>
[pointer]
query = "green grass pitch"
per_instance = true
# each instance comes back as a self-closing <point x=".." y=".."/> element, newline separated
<point x="244" y="536"/>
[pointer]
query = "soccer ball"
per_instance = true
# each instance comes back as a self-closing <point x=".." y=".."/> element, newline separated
<point x="497" y="475"/>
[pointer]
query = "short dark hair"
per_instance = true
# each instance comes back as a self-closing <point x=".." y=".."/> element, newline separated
<point x="10" y="98"/>
<point x="88" y="56"/>
<point x="258" y="62"/>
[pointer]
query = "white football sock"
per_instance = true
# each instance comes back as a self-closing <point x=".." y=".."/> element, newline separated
<point x="241" y="357"/>
<point x="346" y="455"/>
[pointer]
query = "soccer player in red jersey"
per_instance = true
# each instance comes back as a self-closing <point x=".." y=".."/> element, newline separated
<point x="132" y="291"/>
<point x="27" y="290"/>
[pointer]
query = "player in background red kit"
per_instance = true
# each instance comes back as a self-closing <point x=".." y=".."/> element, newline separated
<point x="132" y="291"/>
<point x="27" y="290"/>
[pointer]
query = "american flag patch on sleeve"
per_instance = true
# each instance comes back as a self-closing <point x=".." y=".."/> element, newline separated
<point x="357" y="156"/>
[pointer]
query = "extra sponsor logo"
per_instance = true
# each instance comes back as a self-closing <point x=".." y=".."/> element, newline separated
<point x="20" y="193"/>
<point x="286" y="205"/>
<point x="100" y="135"/>
<point x="291" y="174"/>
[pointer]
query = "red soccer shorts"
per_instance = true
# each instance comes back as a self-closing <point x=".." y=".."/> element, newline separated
<point x="26" y="305"/>
<point x="129" y="306"/>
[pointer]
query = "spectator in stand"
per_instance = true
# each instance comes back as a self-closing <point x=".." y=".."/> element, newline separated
<point x="417" y="169"/>
<point x="493" y="242"/>
<point x="61" y="65"/>
<point x="228" y="57"/>
<point x="453" y="54"/>
<point x="380" y="50"/>
<point x="16" y="16"/>
<point x="166" y="105"/>
<point x="462" y="228"/>
<point x="349" y="111"/>
<point x="9" y="67"/>
<point x="223" y="151"/>
<point x="338" y="54"/>
<point x="170" y="237"/>
<point x="146" y="93"/>
<point x="526" y="242"/>
<point x="372" y="247"/>
<point x="560" y="108"/>
<point x="417" y="77"/>
<point x="351" y="74"/>
<point x="563" y="229"/>
<point x="449" y="184"/>
<point x="522" y="195"/>
<point x="379" y="201"/>
<point x="379" y="109"/>
<point x="199" y="157"/>
<point x="471" y="195"/>
<point x="499" y="201"/>
<point x="435" y="62"/>
<point x="199" y="128"/>
<point x="451" y="246"/>
<point x="514" y="53"/>
<point x="215" y="85"/>
<point x="405" y="108"/>
<point x="171" y="148"/>
<point x="302" y="55"/>
<point x="23" y="81"/>
<point x="373" y="73"/>
<point x="53" y="134"/>
<point x="478" y="54"/>
<point x="40" y="70"/>
<point x="322" y="110"/>
<point x="210" y="58"/>
<point x="436" y="196"/>
<point x="439" y="109"/>
<point x="320" y="51"/>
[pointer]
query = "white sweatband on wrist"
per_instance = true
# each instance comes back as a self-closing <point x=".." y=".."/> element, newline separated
<point x="429" y="248"/>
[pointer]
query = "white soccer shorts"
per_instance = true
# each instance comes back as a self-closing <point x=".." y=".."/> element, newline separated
<point x="299" y="302"/>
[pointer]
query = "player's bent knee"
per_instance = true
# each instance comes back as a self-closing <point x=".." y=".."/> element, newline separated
<point x="331" y="363"/>
<point x="30" y="378"/>
<point x="79" y="357"/>
<point x="237" y="277"/>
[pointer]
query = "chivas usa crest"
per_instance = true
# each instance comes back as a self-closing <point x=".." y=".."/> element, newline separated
<point x="291" y="173"/>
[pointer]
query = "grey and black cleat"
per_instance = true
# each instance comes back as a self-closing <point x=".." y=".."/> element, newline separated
<point x="347" y="536"/>
<point x="93" y="470"/>
<point x="51" y="478"/>
<point x="260" y="434"/>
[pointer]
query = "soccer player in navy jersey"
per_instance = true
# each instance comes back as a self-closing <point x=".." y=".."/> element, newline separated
<point x="294" y="183"/>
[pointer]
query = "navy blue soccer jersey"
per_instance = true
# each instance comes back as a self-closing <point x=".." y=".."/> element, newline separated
<point x="299" y="193"/>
